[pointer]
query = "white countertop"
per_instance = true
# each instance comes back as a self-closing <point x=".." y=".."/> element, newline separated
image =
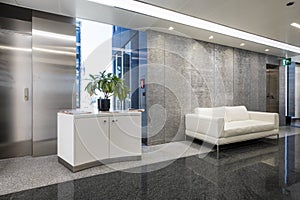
<point x="78" y="113"/>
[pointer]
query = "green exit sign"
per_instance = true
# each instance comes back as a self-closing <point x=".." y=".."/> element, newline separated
<point x="286" y="61"/>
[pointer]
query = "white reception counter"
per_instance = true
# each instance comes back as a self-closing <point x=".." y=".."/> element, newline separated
<point x="89" y="139"/>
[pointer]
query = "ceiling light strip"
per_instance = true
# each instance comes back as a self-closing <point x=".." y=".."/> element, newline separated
<point x="169" y="15"/>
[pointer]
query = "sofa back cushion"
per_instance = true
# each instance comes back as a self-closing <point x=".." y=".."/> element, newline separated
<point x="218" y="112"/>
<point x="236" y="113"/>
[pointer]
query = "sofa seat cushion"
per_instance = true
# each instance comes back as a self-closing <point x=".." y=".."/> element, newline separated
<point x="235" y="128"/>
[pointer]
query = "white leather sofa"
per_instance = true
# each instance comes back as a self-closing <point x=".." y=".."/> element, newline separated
<point x="224" y="125"/>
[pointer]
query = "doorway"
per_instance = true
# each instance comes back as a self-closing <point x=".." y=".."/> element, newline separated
<point x="272" y="88"/>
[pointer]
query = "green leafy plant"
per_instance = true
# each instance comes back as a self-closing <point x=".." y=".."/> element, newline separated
<point x="108" y="83"/>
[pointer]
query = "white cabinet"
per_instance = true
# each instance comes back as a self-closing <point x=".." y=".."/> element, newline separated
<point x="86" y="140"/>
<point x="124" y="140"/>
<point x="91" y="139"/>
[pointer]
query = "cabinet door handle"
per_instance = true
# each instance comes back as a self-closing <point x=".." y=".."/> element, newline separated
<point x="104" y="121"/>
<point x="114" y="120"/>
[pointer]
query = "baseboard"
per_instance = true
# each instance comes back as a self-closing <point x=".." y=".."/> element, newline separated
<point x="97" y="163"/>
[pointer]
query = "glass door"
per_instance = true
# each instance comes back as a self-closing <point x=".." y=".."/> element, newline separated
<point x="122" y="66"/>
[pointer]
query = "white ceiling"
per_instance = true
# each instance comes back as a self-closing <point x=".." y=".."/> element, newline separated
<point x="268" y="18"/>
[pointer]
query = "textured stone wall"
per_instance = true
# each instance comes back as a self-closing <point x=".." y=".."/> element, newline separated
<point x="184" y="73"/>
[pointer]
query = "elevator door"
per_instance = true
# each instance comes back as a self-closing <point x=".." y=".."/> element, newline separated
<point x="53" y="80"/>
<point x="15" y="94"/>
<point x="272" y="89"/>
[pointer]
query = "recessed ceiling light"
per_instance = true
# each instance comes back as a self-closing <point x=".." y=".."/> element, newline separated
<point x="295" y="25"/>
<point x="290" y="3"/>
<point x="165" y="14"/>
<point x="211" y="37"/>
<point x="242" y="44"/>
<point x="267" y="50"/>
<point x="171" y="28"/>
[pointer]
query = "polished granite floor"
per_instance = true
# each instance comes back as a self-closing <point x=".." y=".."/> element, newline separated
<point x="260" y="169"/>
<point x="23" y="173"/>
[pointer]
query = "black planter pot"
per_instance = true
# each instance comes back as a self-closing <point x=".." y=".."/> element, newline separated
<point x="103" y="104"/>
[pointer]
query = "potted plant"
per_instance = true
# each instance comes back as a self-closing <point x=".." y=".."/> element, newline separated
<point x="109" y="84"/>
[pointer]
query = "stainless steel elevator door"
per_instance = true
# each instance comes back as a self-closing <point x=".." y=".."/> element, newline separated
<point x="272" y="88"/>
<point x="53" y="68"/>
<point x="15" y="84"/>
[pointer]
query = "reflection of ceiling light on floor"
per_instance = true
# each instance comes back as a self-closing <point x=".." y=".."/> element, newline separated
<point x="242" y="44"/>
<point x="267" y="50"/>
<point x="295" y="25"/>
<point x="211" y="37"/>
<point x="171" y="28"/>
<point x="165" y="14"/>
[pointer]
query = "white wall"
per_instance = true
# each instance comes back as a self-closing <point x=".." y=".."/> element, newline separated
<point x="296" y="59"/>
<point x="96" y="51"/>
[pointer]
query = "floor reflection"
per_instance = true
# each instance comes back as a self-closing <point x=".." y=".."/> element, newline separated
<point x="292" y="166"/>
<point x="260" y="169"/>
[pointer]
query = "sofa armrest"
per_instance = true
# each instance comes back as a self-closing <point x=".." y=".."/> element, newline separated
<point x="211" y="126"/>
<point x="265" y="116"/>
